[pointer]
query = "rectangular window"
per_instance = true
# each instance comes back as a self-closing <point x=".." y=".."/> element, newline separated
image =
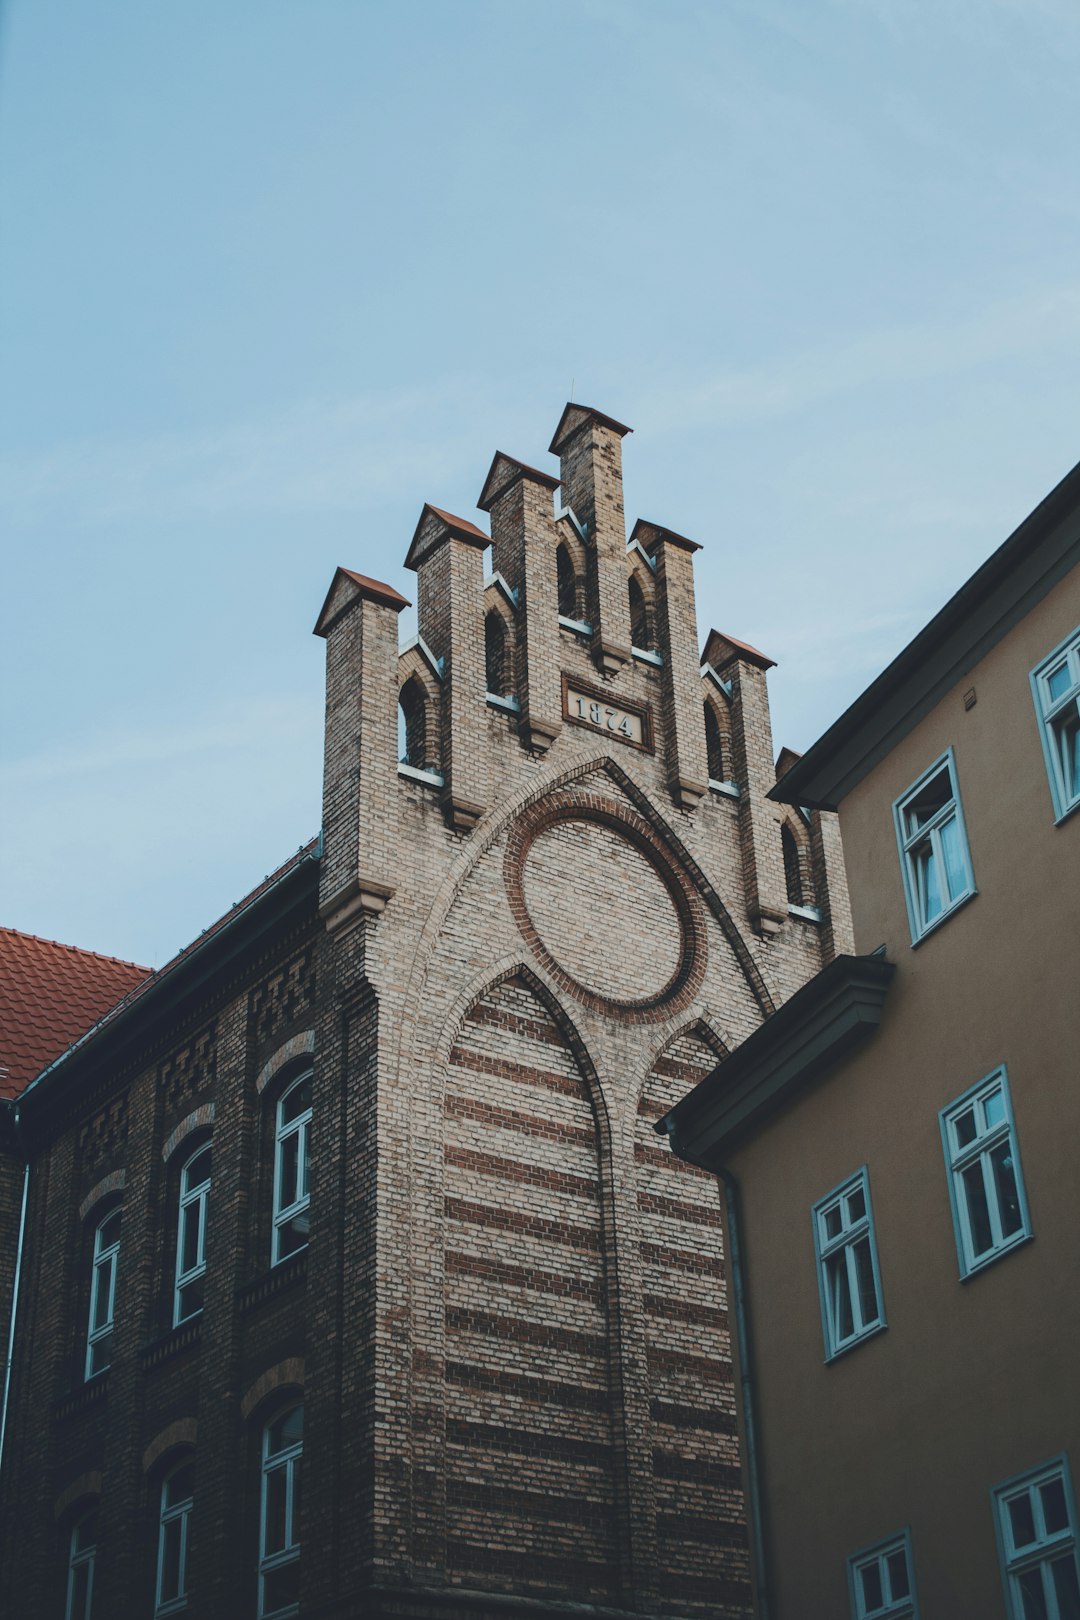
<point x="279" y="1543"/>
<point x="881" y="1581"/>
<point x="933" y="847"/>
<point x="848" y="1279"/>
<point x="191" y="1236"/>
<point x="1055" y="686"/>
<point x="985" y="1182"/>
<point x="1035" y="1517"/>
<point x="102" y="1295"/>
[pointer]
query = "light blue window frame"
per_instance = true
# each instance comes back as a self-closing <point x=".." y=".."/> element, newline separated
<point x="935" y="863"/>
<point x="880" y="1553"/>
<point x="979" y="1158"/>
<point x="841" y="1265"/>
<point x="1047" y="1548"/>
<point x="1055" y="691"/>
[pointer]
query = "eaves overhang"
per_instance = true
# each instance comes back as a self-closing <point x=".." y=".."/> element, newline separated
<point x="1038" y="554"/>
<point x="823" y="1022"/>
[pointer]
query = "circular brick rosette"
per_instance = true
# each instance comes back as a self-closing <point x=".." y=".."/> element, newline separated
<point x="603" y="908"/>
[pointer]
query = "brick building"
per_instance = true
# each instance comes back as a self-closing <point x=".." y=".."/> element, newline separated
<point x="363" y="1188"/>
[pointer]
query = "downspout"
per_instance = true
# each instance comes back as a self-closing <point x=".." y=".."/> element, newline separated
<point x="746" y="1386"/>
<point x="9" y="1363"/>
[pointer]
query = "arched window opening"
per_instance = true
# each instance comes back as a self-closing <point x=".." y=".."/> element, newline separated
<point x="292" y="1170"/>
<point x="279" y="1517"/>
<point x="641" y="628"/>
<point x="82" y="1554"/>
<point x="792" y="868"/>
<point x="412" y="726"/>
<point x="177" y="1500"/>
<point x="99" y="1330"/>
<point x="714" y="747"/>
<point x="191" y="1236"/>
<point x="568" y="591"/>
<point x="496" y="655"/>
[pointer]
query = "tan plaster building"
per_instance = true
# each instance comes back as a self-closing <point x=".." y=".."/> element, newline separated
<point x="439" y="1266"/>
<point x="899" y="1141"/>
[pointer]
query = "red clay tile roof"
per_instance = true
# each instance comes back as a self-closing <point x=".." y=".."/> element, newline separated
<point x="49" y="995"/>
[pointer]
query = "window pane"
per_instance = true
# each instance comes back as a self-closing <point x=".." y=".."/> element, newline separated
<point x="864" y="1271"/>
<point x="978" y="1214"/>
<point x="171" y="1584"/>
<point x="99" y="1354"/>
<point x="1059" y="682"/>
<point x="198" y="1170"/>
<point x="899" y="1586"/>
<point x="190" y="1222"/>
<point x="1021" y="1520"/>
<point x="952" y="849"/>
<point x="293" y="1234"/>
<point x="993" y="1109"/>
<point x="870" y="1575"/>
<point x="80" y="1591"/>
<point x="180" y="1485"/>
<point x="1055" y="1511"/>
<point x="296" y="1520"/>
<point x="285" y="1431"/>
<point x="1001" y="1160"/>
<point x="190" y="1300"/>
<point x="281" y="1587"/>
<point x="832" y="1221"/>
<point x="856" y="1205"/>
<point x="288" y="1162"/>
<point x="1066" y="729"/>
<point x="86" y="1533"/>
<point x="929" y="800"/>
<point x="1066" y="1586"/>
<point x="305" y="1161"/>
<point x="296" y="1102"/>
<point x="964" y="1126"/>
<point x="109" y="1232"/>
<point x="840" y="1296"/>
<point x="927" y="882"/>
<point x="274" y="1526"/>
<point x="1032" y="1597"/>
<point x="102" y="1290"/>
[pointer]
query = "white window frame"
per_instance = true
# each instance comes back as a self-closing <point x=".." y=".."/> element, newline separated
<point x="1047" y="1548"/>
<point x="289" y="1460"/>
<point x="80" y="1558"/>
<point x="193" y="1205"/>
<point x="838" y="1250"/>
<point x="1049" y="711"/>
<point x="102" y="1275"/>
<point x="911" y="841"/>
<point x="891" y="1608"/>
<point x="300" y="1126"/>
<point x="960" y="1157"/>
<point x="168" y="1515"/>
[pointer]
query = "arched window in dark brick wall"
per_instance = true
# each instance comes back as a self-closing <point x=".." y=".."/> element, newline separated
<point x="568" y="584"/>
<point x="714" y="748"/>
<point x="641" y="628"/>
<point x="496" y="655"/>
<point x="412" y="726"/>
<point x="792" y="868"/>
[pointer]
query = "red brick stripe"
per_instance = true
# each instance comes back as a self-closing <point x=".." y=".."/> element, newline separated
<point x="699" y="1264"/>
<point x="504" y="1220"/>
<point x="677" y="1310"/>
<point x="669" y="1465"/>
<point x="541" y="1391"/>
<point x="524" y="1073"/>
<point x="528" y="1175"/>
<point x="507" y="1119"/>
<point x="694" y="1214"/>
<point x="516" y="1330"/>
<point x="481" y="1437"/>
<point x="714" y="1372"/>
<point x="537" y="1282"/>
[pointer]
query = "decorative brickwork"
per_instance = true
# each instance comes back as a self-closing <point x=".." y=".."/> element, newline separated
<point x="104" y="1135"/>
<point x="190" y="1071"/>
<point x="285" y="998"/>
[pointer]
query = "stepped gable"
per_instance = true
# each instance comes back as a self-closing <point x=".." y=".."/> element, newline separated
<point x="50" y="994"/>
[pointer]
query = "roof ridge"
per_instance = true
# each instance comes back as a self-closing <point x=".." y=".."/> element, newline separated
<point x="77" y="950"/>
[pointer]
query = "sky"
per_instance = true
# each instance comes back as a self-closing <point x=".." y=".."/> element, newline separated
<point x="274" y="273"/>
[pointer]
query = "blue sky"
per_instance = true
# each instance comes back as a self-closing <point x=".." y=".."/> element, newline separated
<point x="274" y="273"/>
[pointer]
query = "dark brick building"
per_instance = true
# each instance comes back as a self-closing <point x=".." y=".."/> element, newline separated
<point x="362" y="1189"/>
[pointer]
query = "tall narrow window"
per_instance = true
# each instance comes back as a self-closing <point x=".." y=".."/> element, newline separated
<point x="933" y="847"/>
<point x="568" y="591"/>
<point x="102" y="1294"/>
<point x="641" y="628"/>
<point x="1055" y="686"/>
<point x="412" y="727"/>
<point x="292" y="1169"/>
<point x="881" y="1581"/>
<point x="177" y="1493"/>
<point x="82" y="1554"/>
<point x="714" y="747"/>
<point x="279" y="1530"/>
<point x="792" y="867"/>
<point x="985" y="1183"/>
<point x="848" y="1278"/>
<point x="191" y="1236"/>
<point x="1037" y="1535"/>
<point x="495" y="656"/>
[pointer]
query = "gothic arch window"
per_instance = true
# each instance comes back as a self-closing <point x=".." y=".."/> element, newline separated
<point x="792" y="868"/>
<point x="714" y="746"/>
<point x="641" y="623"/>
<point x="412" y="726"/>
<point x="569" y="607"/>
<point x="496" y="655"/>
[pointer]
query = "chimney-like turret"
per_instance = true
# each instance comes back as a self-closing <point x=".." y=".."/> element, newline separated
<point x="589" y="447"/>
<point x="523" y="548"/>
<point x="447" y="553"/>
<point x="676" y="628"/>
<point x="358" y="622"/>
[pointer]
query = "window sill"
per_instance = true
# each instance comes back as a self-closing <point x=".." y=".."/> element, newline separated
<point x="808" y="913"/>
<point x="854" y="1344"/>
<point x="942" y="917"/>
<point x="280" y="1277"/>
<point x="181" y="1337"/>
<point x="645" y="655"/>
<point x="496" y="701"/>
<point x="728" y="790"/>
<point x="415" y="774"/>
<point x="580" y="627"/>
<point x="988" y="1260"/>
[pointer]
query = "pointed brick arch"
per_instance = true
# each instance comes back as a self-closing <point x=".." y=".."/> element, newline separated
<point x="528" y="1346"/>
<point x="700" y="1514"/>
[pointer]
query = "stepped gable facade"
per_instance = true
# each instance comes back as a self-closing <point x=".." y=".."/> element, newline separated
<point x="489" y="1331"/>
